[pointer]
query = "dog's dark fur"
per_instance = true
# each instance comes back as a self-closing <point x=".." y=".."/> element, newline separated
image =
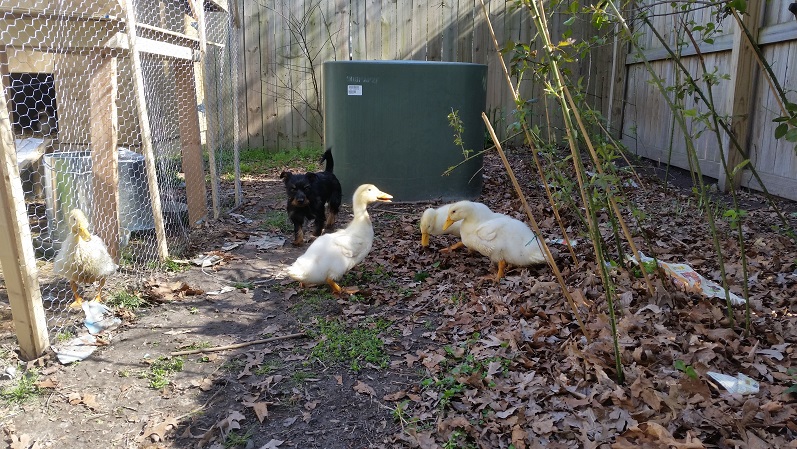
<point x="307" y="195"/>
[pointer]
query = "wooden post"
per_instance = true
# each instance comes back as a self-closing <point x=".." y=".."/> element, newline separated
<point x="17" y="257"/>
<point x="740" y="95"/>
<point x="104" y="126"/>
<point x="146" y="136"/>
<point x="190" y="141"/>
<point x="210" y="139"/>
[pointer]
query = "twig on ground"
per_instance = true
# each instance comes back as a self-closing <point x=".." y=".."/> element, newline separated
<point x="236" y="345"/>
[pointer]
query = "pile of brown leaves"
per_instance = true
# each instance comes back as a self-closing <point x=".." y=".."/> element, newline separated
<point x="511" y="368"/>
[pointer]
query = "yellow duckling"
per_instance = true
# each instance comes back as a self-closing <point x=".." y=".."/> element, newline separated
<point x="503" y="239"/>
<point x="83" y="257"/>
<point x="331" y="256"/>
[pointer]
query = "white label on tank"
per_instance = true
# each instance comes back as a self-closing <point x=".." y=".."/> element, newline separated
<point x="355" y="89"/>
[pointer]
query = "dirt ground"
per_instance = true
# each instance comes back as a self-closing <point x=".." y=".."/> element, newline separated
<point x="275" y="394"/>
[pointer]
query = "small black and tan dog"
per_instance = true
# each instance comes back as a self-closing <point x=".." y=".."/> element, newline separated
<point x="307" y="196"/>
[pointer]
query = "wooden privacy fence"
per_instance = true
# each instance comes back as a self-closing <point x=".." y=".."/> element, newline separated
<point x="648" y="127"/>
<point x="285" y="43"/>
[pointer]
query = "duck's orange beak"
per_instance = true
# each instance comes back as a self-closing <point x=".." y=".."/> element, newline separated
<point x="448" y="223"/>
<point x="384" y="197"/>
<point x="424" y="239"/>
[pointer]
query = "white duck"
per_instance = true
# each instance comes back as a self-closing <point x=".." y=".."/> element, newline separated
<point x="433" y="220"/>
<point x="331" y="256"/>
<point x="83" y="257"/>
<point x="503" y="239"/>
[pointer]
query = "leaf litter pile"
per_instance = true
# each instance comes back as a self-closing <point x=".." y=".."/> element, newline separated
<point x="440" y="356"/>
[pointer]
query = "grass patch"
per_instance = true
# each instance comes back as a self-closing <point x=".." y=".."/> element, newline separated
<point x="23" y="389"/>
<point x="276" y="220"/>
<point x="313" y="300"/>
<point x="125" y="299"/>
<point x="267" y="368"/>
<point x="161" y="369"/>
<point x="237" y="439"/>
<point x="168" y="265"/>
<point x="353" y="346"/>
<point x="64" y="336"/>
<point x="260" y="160"/>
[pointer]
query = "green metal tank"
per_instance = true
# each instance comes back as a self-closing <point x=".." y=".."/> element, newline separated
<point x="387" y="124"/>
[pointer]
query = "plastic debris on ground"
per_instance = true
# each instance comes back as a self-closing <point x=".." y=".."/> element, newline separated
<point x="75" y="349"/>
<point x="740" y="384"/>
<point x="687" y="278"/>
<point x="208" y="260"/>
<point x="225" y="289"/>
<point x="99" y="318"/>
<point x="265" y="242"/>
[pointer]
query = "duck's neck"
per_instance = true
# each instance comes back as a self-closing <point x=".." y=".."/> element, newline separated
<point x="360" y="213"/>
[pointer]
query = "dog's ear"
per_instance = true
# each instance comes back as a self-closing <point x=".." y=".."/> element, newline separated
<point x="311" y="176"/>
<point x="285" y="175"/>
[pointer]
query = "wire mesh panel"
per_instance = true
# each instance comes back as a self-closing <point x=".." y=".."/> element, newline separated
<point x="110" y="107"/>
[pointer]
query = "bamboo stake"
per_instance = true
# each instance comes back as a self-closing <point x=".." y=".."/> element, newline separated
<point x="236" y="345"/>
<point x="562" y="87"/>
<point x="543" y="244"/>
<point x="532" y="146"/>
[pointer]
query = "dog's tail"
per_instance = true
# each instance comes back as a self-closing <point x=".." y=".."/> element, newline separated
<point x="328" y="157"/>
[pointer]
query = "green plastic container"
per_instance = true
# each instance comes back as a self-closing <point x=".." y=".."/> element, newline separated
<point x="387" y="124"/>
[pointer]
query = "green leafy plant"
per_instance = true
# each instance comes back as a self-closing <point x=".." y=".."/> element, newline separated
<point x="680" y="365"/>
<point x="237" y="439"/>
<point x="161" y="369"/>
<point x="23" y="389"/>
<point x="127" y="300"/>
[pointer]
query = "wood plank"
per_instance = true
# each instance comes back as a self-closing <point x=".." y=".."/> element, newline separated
<point x="17" y="258"/>
<point x="188" y="105"/>
<point x="434" y="32"/>
<point x="340" y="30"/>
<point x="359" y="40"/>
<point x="104" y="127"/>
<point x="190" y="143"/>
<point x="404" y="9"/>
<point x="740" y="100"/>
<point x="251" y="74"/>
<point x="373" y="29"/>
<point x="449" y="30"/>
<point x="482" y="41"/>
<point x="267" y="81"/>
<point x="465" y="23"/>
<point x="389" y="24"/>
<point x="282" y="68"/>
<point x="419" y="29"/>
<point x="146" y="135"/>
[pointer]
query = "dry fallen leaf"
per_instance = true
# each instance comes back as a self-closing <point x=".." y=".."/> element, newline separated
<point x="363" y="388"/>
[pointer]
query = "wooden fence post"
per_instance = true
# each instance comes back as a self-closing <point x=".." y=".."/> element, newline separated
<point x="104" y="127"/>
<point x="17" y="257"/>
<point x="740" y="95"/>
<point x="146" y="135"/>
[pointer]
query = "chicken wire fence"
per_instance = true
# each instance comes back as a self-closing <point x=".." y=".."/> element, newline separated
<point x="80" y="80"/>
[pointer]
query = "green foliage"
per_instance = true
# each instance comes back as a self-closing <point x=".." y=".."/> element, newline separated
<point x="161" y="369"/>
<point x="686" y="369"/>
<point x="127" y="300"/>
<point x="276" y="220"/>
<point x="352" y="345"/>
<point x="237" y="439"/>
<point x="254" y="161"/>
<point x="460" y="363"/>
<point x="23" y="389"/>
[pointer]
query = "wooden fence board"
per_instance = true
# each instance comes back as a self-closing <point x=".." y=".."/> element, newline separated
<point x="373" y="29"/>
<point x="449" y="29"/>
<point x="419" y="29"/>
<point x="404" y="10"/>
<point x="434" y="32"/>
<point x="389" y="25"/>
<point x="465" y="23"/>
<point x="252" y="69"/>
